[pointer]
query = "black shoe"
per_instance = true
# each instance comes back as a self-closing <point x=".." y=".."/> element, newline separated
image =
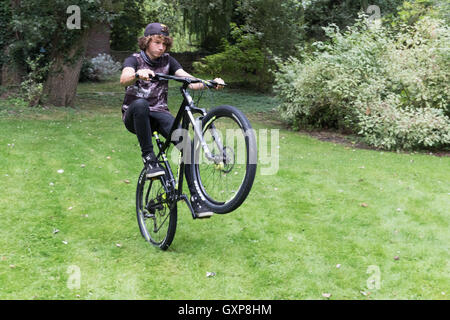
<point x="152" y="166"/>
<point x="200" y="208"/>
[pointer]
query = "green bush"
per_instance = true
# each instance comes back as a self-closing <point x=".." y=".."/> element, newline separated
<point x="243" y="60"/>
<point x="393" y="88"/>
<point x="388" y="127"/>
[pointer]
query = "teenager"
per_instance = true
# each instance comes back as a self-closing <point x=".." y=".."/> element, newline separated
<point x="145" y="104"/>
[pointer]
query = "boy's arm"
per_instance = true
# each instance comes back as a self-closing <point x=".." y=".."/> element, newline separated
<point x="196" y="86"/>
<point x="128" y="76"/>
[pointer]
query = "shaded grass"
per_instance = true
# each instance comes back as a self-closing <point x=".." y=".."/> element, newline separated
<point x="284" y="242"/>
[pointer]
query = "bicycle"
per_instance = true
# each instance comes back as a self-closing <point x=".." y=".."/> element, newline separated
<point x="223" y="170"/>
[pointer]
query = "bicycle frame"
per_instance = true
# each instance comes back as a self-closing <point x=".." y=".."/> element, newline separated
<point x="184" y="117"/>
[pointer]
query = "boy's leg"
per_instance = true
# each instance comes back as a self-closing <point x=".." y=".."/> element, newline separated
<point x="164" y="122"/>
<point x="137" y="121"/>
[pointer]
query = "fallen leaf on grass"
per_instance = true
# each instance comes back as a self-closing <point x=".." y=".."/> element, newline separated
<point x="126" y="181"/>
<point x="364" y="205"/>
<point x="326" y="295"/>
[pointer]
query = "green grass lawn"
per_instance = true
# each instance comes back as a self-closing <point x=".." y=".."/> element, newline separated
<point x="333" y="220"/>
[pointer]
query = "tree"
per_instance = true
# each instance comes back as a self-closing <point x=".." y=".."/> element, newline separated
<point x="321" y="13"/>
<point x="210" y="21"/>
<point x="134" y="15"/>
<point x="279" y="25"/>
<point x="128" y="25"/>
<point x="42" y="34"/>
<point x="11" y="73"/>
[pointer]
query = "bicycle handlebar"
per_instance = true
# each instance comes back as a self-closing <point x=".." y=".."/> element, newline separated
<point x="208" y="83"/>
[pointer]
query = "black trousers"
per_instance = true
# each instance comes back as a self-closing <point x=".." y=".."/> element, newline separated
<point x="140" y="121"/>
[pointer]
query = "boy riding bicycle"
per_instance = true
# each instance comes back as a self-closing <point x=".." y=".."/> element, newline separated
<point x="145" y="104"/>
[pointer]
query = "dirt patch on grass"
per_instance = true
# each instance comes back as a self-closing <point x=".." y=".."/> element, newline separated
<point x="354" y="141"/>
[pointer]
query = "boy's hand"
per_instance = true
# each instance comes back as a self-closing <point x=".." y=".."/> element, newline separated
<point x="219" y="82"/>
<point x="145" y="74"/>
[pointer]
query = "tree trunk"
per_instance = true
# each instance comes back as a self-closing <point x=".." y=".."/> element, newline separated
<point x="11" y="74"/>
<point x="61" y="86"/>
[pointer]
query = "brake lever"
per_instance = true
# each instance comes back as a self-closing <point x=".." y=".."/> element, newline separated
<point x="155" y="78"/>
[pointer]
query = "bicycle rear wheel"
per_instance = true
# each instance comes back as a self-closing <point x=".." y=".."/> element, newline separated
<point x="156" y="212"/>
<point x="224" y="181"/>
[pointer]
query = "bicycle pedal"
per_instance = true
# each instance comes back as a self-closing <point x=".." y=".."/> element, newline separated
<point x="149" y="215"/>
<point x="205" y="215"/>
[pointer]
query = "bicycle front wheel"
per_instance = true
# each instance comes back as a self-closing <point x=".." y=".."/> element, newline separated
<point x="223" y="178"/>
<point x="156" y="213"/>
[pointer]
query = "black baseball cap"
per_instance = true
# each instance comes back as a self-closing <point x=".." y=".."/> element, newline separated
<point x="156" y="28"/>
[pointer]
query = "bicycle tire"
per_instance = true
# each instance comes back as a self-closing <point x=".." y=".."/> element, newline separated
<point x="152" y="205"/>
<point x="218" y="120"/>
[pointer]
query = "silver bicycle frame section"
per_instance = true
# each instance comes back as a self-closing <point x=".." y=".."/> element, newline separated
<point x="199" y="134"/>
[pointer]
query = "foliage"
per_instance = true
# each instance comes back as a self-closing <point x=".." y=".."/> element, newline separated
<point x="129" y="23"/>
<point x="244" y="59"/>
<point x="210" y="20"/>
<point x="134" y="15"/>
<point x="278" y="28"/>
<point x="31" y="88"/>
<point x="321" y="13"/>
<point x="367" y="75"/>
<point x="412" y="11"/>
<point x="5" y="35"/>
<point x="99" y="68"/>
<point x="41" y="33"/>
<point x="278" y="25"/>
<point x="389" y="127"/>
<point x="266" y="28"/>
<point x="42" y="24"/>
<point x="293" y="21"/>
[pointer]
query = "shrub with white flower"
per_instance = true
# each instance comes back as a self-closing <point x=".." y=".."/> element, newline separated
<point x="99" y="68"/>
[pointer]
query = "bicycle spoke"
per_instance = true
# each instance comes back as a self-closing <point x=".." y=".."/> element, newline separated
<point x="156" y="215"/>
<point x="222" y="179"/>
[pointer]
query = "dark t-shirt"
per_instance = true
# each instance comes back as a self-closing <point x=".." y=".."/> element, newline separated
<point x="132" y="62"/>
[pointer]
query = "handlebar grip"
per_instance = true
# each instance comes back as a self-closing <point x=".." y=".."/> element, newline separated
<point x="215" y="83"/>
